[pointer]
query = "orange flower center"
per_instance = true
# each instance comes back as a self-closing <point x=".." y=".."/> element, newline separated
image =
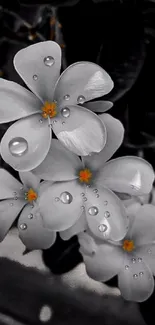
<point x="31" y="195"/>
<point x="128" y="245"/>
<point x="49" y="110"/>
<point x="85" y="175"/>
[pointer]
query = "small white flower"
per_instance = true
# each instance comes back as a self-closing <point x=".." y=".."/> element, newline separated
<point x="132" y="259"/>
<point x="55" y="103"/>
<point x="17" y="197"/>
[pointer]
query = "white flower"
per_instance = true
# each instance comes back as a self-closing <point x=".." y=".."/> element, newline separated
<point x="82" y="194"/>
<point x="22" y="197"/>
<point x="132" y="259"/>
<point x="54" y="102"/>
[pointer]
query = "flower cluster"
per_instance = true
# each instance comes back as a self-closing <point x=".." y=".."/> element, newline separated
<point x="69" y="185"/>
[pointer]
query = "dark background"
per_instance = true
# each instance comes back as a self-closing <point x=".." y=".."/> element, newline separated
<point x="119" y="35"/>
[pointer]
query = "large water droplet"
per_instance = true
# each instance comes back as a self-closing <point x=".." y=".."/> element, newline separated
<point x="93" y="211"/>
<point x="66" y="97"/>
<point x="18" y="147"/>
<point x="135" y="276"/>
<point x="49" y="61"/>
<point x="65" y="112"/>
<point x="107" y="214"/>
<point x="66" y="198"/>
<point x="102" y="228"/>
<point x="23" y="226"/>
<point x="81" y="99"/>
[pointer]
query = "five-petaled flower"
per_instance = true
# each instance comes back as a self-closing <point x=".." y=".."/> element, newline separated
<point x="22" y="197"/>
<point x="55" y="102"/>
<point x="83" y="190"/>
<point x="132" y="259"/>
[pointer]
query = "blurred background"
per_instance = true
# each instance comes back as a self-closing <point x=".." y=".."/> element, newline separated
<point x="119" y="35"/>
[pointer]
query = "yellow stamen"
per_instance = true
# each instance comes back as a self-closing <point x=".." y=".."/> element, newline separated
<point x="128" y="245"/>
<point x="85" y="175"/>
<point x="49" y="110"/>
<point x="31" y="195"/>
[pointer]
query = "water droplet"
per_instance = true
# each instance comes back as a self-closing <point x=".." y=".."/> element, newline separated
<point x="149" y="251"/>
<point x="18" y="147"/>
<point x="66" y="198"/>
<point x="97" y="195"/>
<point x="55" y="121"/>
<point x="35" y="77"/>
<point x="49" y="61"/>
<point x="11" y="204"/>
<point x="63" y="123"/>
<point x="88" y="185"/>
<point x="16" y="198"/>
<point x="93" y="211"/>
<point x="41" y="121"/>
<point x="107" y="214"/>
<point x="126" y="267"/>
<point x="84" y="199"/>
<point x="135" y="276"/>
<point x="14" y="193"/>
<point x="67" y="97"/>
<point x="133" y="260"/>
<point x="105" y="202"/>
<point x="57" y="199"/>
<point x="95" y="190"/>
<point x="102" y="228"/>
<point x="139" y="259"/>
<point x="23" y="226"/>
<point x="30" y="216"/>
<point x="65" y="112"/>
<point x="141" y="273"/>
<point x="21" y="188"/>
<point x="81" y="99"/>
<point x="82" y="207"/>
<point x="82" y="194"/>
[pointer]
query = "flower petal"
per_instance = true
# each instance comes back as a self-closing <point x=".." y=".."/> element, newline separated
<point x="36" y="138"/>
<point x="30" y="180"/>
<point x="106" y="215"/>
<point x="57" y="215"/>
<point x="8" y="185"/>
<point x="115" y="134"/>
<point x="99" y="106"/>
<point x="147" y="254"/>
<point x="82" y="132"/>
<point x="38" y="75"/>
<point x="82" y="79"/>
<point x="79" y="226"/>
<point x="143" y="227"/>
<point x="9" y="210"/>
<point x="136" y="282"/>
<point x="31" y="230"/>
<point x="132" y="175"/>
<point x="16" y="101"/>
<point x="103" y="261"/>
<point x="59" y="165"/>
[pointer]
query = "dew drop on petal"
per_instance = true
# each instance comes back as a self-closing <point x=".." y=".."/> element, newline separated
<point x="66" y="97"/>
<point x="63" y="123"/>
<point x="11" y="204"/>
<point x="41" y="121"/>
<point x="88" y="185"/>
<point x="84" y="199"/>
<point x="65" y="112"/>
<point x="57" y="199"/>
<point x="105" y="202"/>
<point x="82" y="194"/>
<point x="21" y="188"/>
<point x="49" y="61"/>
<point x="133" y="260"/>
<point x="18" y="147"/>
<point x="139" y="259"/>
<point x="23" y="226"/>
<point x="149" y="251"/>
<point x="55" y="121"/>
<point x="135" y="276"/>
<point x="35" y="77"/>
<point x="126" y="267"/>
<point x="66" y="197"/>
<point x="93" y="211"/>
<point x="81" y="99"/>
<point x="82" y="207"/>
<point x="97" y="195"/>
<point x="107" y="214"/>
<point x="141" y="273"/>
<point x="102" y="228"/>
<point x="95" y="190"/>
<point x="30" y="216"/>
